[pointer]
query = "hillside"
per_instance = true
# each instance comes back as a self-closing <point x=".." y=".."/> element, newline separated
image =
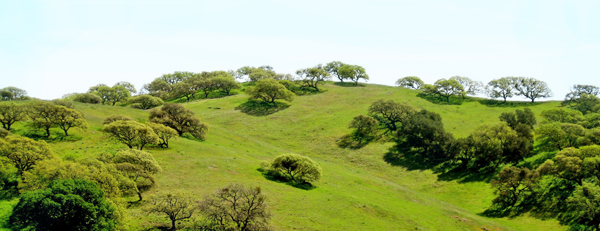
<point x="359" y="190"/>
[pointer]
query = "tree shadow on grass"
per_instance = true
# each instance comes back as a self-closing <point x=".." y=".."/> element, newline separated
<point x="260" y="108"/>
<point x="442" y="101"/>
<point x="463" y="175"/>
<point x="500" y="103"/>
<point x="347" y="141"/>
<point x="55" y="136"/>
<point x="410" y="159"/>
<point x="274" y="176"/>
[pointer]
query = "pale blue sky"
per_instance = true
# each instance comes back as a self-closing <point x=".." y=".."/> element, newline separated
<point x="51" y="48"/>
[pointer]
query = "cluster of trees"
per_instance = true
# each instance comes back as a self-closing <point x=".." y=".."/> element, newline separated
<point x="12" y="93"/>
<point x="43" y="115"/>
<point x="189" y="84"/>
<point x="458" y="86"/>
<point x="167" y="122"/>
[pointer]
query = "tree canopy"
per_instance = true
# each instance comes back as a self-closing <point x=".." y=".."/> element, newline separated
<point x="270" y="90"/>
<point x="179" y="118"/>
<point x="298" y="169"/>
<point x="413" y="82"/>
<point x="353" y="73"/>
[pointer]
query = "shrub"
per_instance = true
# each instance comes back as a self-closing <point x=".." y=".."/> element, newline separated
<point x="296" y="168"/>
<point x="87" y="98"/>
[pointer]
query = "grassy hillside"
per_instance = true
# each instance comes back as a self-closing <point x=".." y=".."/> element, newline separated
<point x="359" y="190"/>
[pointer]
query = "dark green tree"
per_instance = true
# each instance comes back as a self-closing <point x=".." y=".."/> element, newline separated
<point x="298" y="169"/>
<point x="365" y="128"/>
<point x="65" y="205"/>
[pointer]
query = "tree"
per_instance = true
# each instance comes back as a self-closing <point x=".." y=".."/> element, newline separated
<point x="236" y="207"/>
<point x="6" y="95"/>
<point x="471" y="87"/>
<point x="128" y="86"/>
<point x="159" y="88"/>
<point x="514" y="184"/>
<point x="494" y="145"/>
<point x="353" y="72"/>
<point x="185" y="89"/>
<point x="333" y="69"/>
<point x="560" y="135"/>
<point x="531" y="88"/>
<point x="413" y="82"/>
<point x="269" y="90"/>
<point x="11" y="113"/>
<point x="113" y="118"/>
<point x="163" y="132"/>
<point x="501" y="88"/>
<point x="584" y="206"/>
<point x="524" y="117"/>
<point x="139" y="166"/>
<point x="15" y="93"/>
<point x="207" y="85"/>
<point x="313" y="76"/>
<point x="94" y="89"/>
<point x="577" y="91"/>
<point x="131" y="133"/>
<point x="42" y="114"/>
<point x="176" y="205"/>
<point x="64" y="103"/>
<point x="298" y="169"/>
<point x="179" y="118"/>
<point x="24" y="153"/>
<point x="424" y="132"/>
<point x="587" y="104"/>
<point x="87" y="98"/>
<point x="562" y="115"/>
<point x="365" y="128"/>
<point x="67" y="118"/>
<point x="448" y="87"/>
<point x="145" y="102"/>
<point x="226" y="84"/>
<point x="390" y="114"/>
<point x="65" y="205"/>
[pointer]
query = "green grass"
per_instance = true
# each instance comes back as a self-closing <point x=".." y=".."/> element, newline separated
<point x="359" y="190"/>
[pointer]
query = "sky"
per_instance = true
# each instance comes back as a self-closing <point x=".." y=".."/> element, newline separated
<point x="51" y="48"/>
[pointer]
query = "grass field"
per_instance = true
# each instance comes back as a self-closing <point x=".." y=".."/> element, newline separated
<point x="359" y="190"/>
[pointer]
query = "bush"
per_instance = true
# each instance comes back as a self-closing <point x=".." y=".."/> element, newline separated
<point x="113" y="118"/>
<point x="4" y="133"/>
<point x="87" y="98"/>
<point x="296" y="168"/>
<point x="145" y="102"/>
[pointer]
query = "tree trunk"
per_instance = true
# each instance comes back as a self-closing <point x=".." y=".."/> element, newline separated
<point x="356" y="83"/>
<point x="140" y="197"/>
<point x="173" y="224"/>
<point x="66" y="132"/>
<point x="48" y="132"/>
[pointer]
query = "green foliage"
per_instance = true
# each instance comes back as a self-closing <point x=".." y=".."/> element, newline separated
<point x="65" y="205"/>
<point x="470" y="86"/>
<point x="501" y="88"/>
<point x="4" y="133"/>
<point x="578" y="90"/>
<point x="333" y="68"/>
<point x="519" y="117"/>
<point x="128" y="86"/>
<point x="365" y="128"/>
<point x="87" y="98"/>
<point x="24" y="153"/>
<point x="106" y="176"/>
<point x="41" y="114"/>
<point x="131" y="133"/>
<point x="389" y="114"/>
<point x="591" y="120"/>
<point x="111" y="95"/>
<point x="513" y="185"/>
<point x="558" y="136"/>
<point x="179" y="118"/>
<point x="313" y="76"/>
<point x="64" y="103"/>
<point x="226" y="84"/>
<point x="270" y="90"/>
<point x="158" y="88"/>
<point x="12" y="93"/>
<point x="296" y="168"/>
<point x="140" y="167"/>
<point x="177" y="206"/>
<point x="113" y="118"/>
<point x="145" y="102"/>
<point x="163" y="132"/>
<point x="586" y="104"/>
<point x="562" y="115"/>
<point x="236" y="207"/>
<point x="413" y="82"/>
<point x="67" y="118"/>
<point x="424" y="133"/>
<point x="447" y="88"/>
<point x="353" y="72"/>
<point x="531" y="88"/>
<point x="11" y="113"/>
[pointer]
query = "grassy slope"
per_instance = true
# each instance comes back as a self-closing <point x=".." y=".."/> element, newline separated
<point x="359" y="191"/>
